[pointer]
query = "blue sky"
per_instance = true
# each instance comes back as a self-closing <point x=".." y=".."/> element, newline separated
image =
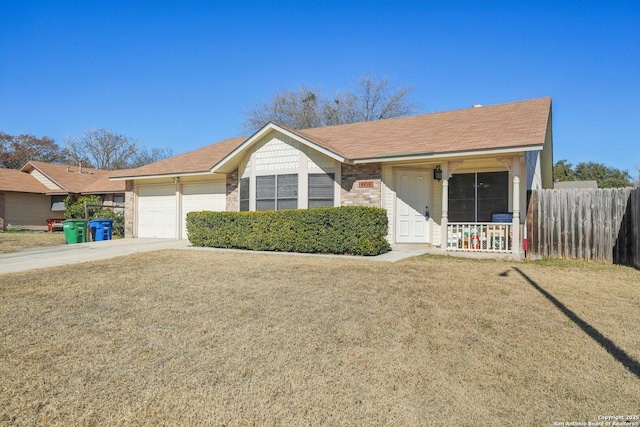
<point x="181" y="74"/>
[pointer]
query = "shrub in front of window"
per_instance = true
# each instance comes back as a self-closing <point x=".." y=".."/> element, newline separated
<point x="353" y="230"/>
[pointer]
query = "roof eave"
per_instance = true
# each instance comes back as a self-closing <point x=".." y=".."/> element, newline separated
<point x="396" y="157"/>
<point x="162" y="175"/>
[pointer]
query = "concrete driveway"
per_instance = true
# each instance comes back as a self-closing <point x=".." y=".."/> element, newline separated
<point x="53" y="256"/>
<point x="82" y="252"/>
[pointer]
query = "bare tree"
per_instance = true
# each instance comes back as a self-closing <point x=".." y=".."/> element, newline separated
<point x="373" y="100"/>
<point x="298" y="109"/>
<point x="145" y="155"/>
<point x="305" y="108"/>
<point x="104" y="149"/>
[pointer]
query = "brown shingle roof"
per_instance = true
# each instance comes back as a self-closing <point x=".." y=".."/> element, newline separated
<point x="512" y="125"/>
<point x="515" y="124"/>
<point x="73" y="181"/>
<point x="200" y="160"/>
<point x="21" y="182"/>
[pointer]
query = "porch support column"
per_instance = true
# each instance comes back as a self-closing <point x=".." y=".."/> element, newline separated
<point x="444" y="232"/>
<point x="515" y="171"/>
<point x="178" y="230"/>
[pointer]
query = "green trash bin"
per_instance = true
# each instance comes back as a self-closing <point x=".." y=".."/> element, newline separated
<point x="75" y="230"/>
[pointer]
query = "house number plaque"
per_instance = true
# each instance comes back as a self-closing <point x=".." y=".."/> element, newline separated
<point x="365" y="184"/>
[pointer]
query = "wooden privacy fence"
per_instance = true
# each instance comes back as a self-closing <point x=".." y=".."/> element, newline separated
<point x="591" y="224"/>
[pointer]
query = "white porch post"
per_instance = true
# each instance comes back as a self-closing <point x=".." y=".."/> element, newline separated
<point x="444" y="233"/>
<point x="178" y="230"/>
<point x="515" y="170"/>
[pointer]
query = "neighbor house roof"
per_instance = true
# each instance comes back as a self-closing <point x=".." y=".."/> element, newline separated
<point x="576" y="184"/>
<point x="75" y="179"/>
<point x="20" y="182"/>
<point x="516" y="125"/>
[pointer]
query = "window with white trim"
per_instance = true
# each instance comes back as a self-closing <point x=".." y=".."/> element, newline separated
<point x="57" y="203"/>
<point x="276" y="192"/>
<point x="321" y="190"/>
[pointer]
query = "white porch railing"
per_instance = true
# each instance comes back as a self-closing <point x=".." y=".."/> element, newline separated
<point x="480" y="237"/>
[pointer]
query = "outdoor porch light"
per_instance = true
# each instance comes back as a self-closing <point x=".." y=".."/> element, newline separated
<point x="437" y="173"/>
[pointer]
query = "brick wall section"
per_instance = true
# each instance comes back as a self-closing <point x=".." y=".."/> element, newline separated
<point x="1" y="211"/>
<point x="353" y="193"/>
<point x="128" y="209"/>
<point x="233" y="197"/>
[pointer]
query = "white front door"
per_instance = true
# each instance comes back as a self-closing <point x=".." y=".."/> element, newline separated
<point x="412" y="205"/>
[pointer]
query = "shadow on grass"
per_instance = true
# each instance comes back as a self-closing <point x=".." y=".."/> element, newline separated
<point x="619" y="354"/>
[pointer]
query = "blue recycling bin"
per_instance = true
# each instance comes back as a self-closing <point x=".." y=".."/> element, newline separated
<point x="101" y="229"/>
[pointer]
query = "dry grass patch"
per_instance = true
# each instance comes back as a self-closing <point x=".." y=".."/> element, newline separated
<point x="14" y="241"/>
<point x="198" y="337"/>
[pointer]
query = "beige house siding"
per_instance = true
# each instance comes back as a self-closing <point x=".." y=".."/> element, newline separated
<point x="533" y="171"/>
<point x="30" y="211"/>
<point x="275" y="153"/>
<point x="44" y="180"/>
<point x="546" y="157"/>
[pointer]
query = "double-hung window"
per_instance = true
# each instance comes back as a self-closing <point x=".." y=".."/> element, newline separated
<point x="320" y="190"/>
<point x="276" y="192"/>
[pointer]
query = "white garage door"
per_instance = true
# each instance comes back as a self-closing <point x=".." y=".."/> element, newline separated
<point x="157" y="211"/>
<point x="205" y="196"/>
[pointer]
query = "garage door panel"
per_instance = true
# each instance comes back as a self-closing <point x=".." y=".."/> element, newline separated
<point x="157" y="211"/>
<point x="209" y="196"/>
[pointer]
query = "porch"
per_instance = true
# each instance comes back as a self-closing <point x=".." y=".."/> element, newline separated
<point x="486" y="237"/>
<point x="475" y="202"/>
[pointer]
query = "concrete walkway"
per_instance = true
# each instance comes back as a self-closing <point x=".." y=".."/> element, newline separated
<point x="53" y="256"/>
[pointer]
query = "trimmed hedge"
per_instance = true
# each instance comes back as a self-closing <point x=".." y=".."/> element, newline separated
<point x="354" y="230"/>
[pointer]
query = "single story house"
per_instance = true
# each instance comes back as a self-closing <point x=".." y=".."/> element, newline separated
<point x="34" y="195"/>
<point x="456" y="179"/>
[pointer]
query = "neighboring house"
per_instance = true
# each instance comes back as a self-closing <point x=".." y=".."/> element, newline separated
<point x="35" y="194"/>
<point x="575" y="184"/>
<point x="443" y="178"/>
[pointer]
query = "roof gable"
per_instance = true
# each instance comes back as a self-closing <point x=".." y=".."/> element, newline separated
<point x="20" y="182"/>
<point x="74" y="179"/>
<point x="230" y="161"/>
